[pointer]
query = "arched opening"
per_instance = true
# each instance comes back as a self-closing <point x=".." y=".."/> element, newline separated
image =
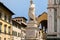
<point x="0" y="26"/>
<point x="43" y="25"/>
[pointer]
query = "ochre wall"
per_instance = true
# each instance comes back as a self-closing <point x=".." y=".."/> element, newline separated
<point x="42" y="17"/>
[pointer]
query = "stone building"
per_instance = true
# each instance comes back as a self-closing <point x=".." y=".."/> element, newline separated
<point x="53" y="19"/>
<point x="20" y="28"/>
<point x="11" y="28"/>
<point x="42" y="21"/>
<point x="5" y="23"/>
<point x="16" y="30"/>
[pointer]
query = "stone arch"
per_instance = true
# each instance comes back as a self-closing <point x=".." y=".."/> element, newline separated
<point x="42" y="19"/>
<point x="44" y="24"/>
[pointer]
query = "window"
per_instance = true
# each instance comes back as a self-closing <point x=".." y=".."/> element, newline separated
<point x="13" y="23"/>
<point x="19" y="26"/>
<point x="52" y="35"/>
<point x="12" y="38"/>
<point x="54" y="1"/>
<point x="5" y="17"/>
<point x="4" y="38"/>
<point x="5" y="28"/>
<point x="16" y="20"/>
<point x="0" y="15"/>
<point x="9" y="30"/>
<point x="0" y="27"/>
<point x="0" y="38"/>
<point x="55" y="20"/>
<point x="59" y="1"/>
<point x="9" y="19"/>
<point x="19" y="35"/>
<point x="8" y="38"/>
<point x="14" y="33"/>
<point x="21" y="20"/>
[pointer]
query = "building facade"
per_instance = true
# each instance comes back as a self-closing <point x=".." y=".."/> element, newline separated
<point x="11" y="28"/>
<point x="16" y="30"/>
<point x="42" y="21"/>
<point x="23" y="25"/>
<point x="53" y="19"/>
<point x="5" y="23"/>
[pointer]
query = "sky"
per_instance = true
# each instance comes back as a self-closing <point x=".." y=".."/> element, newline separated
<point x="21" y="7"/>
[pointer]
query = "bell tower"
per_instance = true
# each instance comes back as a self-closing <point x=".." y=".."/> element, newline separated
<point x="52" y="13"/>
<point x="53" y="17"/>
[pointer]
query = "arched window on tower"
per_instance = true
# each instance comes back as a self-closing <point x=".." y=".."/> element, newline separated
<point x="0" y="15"/>
<point x="55" y="2"/>
<point x="5" y="26"/>
<point x="9" y="30"/>
<point x="59" y="1"/>
<point x="55" y="20"/>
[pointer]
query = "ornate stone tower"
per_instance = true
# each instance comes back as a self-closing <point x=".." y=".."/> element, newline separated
<point x="53" y="18"/>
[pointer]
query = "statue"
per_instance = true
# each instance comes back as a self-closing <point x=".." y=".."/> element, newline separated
<point x="32" y="32"/>
<point x="32" y="11"/>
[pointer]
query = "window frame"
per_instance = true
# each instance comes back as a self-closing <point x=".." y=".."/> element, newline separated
<point x="14" y="33"/>
<point x="55" y="2"/>
<point x="9" y="19"/>
<point x="5" y="26"/>
<point x="0" y="26"/>
<point x="59" y="1"/>
<point x="9" y="32"/>
<point x="4" y="38"/>
<point x="55" y="20"/>
<point x="5" y="17"/>
<point x="0" y="14"/>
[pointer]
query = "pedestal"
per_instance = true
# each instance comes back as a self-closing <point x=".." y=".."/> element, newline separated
<point x="32" y="31"/>
<point x="42" y="35"/>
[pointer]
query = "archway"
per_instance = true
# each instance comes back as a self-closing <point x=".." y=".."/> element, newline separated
<point x="44" y="24"/>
